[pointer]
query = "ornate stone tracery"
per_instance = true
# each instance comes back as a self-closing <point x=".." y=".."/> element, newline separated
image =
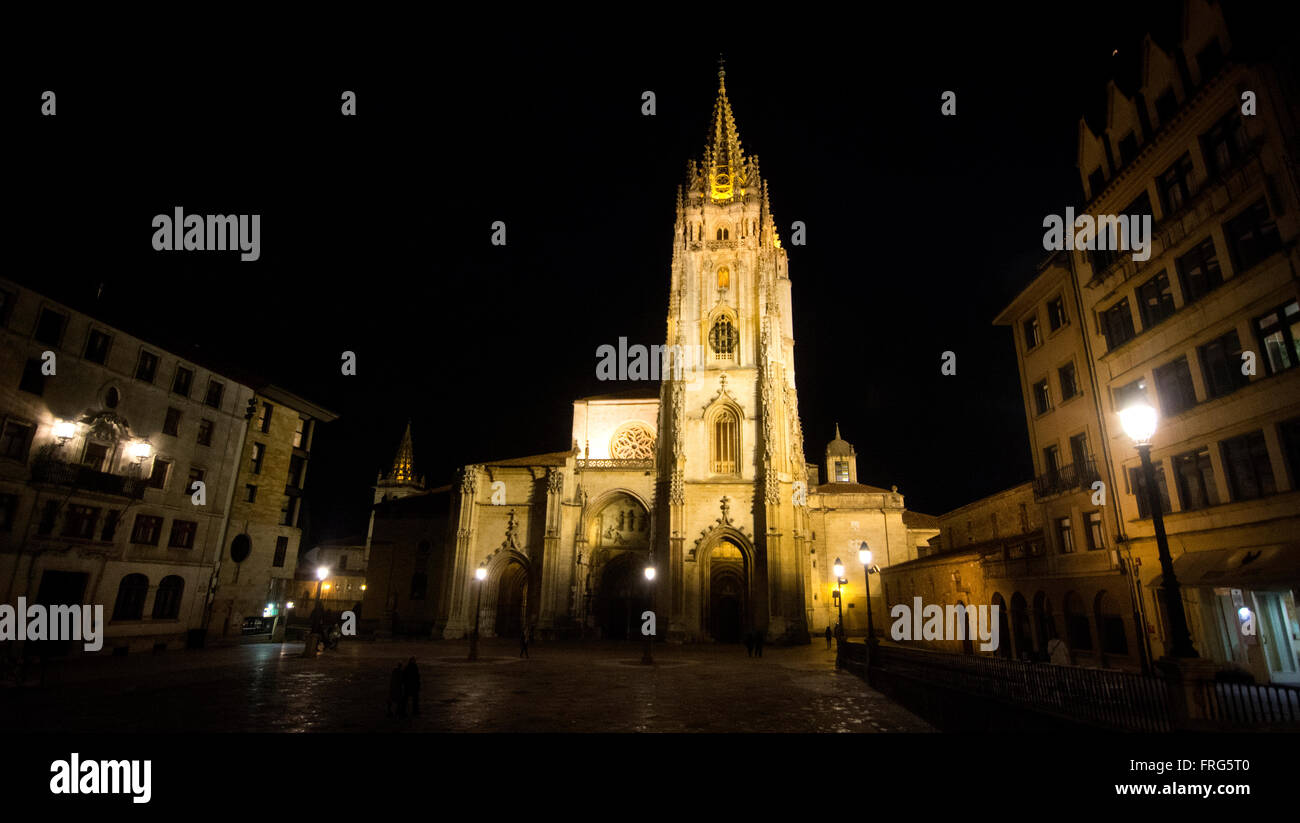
<point x="633" y="441"/>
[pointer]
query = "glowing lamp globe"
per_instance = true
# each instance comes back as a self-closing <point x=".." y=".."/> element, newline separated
<point x="65" y="429"/>
<point x="322" y="572"/>
<point x="649" y="572"/>
<point x="480" y="573"/>
<point x="141" y="449"/>
<point x="838" y="568"/>
<point x="1139" y="422"/>
<point x="864" y="555"/>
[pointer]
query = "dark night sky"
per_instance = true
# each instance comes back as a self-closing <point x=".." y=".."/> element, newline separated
<point x="375" y="229"/>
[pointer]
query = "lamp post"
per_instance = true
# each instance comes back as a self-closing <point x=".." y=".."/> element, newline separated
<point x="322" y="572"/>
<point x="64" y="430"/>
<point x="1139" y="423"/>
<point x="480" y="574"/>
<point x="646" y="657"/>
<point x="838" y="568"/>
<point x="140" y="450"/>
<point x="864" y="557"/>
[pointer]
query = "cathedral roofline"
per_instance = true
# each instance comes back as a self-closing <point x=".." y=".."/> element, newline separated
<point x="920" y="520"/>
<point x="647" y="392"/>
<point x="546" y="459"/>
<point x="850" y="488"/>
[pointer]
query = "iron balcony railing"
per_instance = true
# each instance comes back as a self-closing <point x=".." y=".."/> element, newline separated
<point x="84" y="478"/>
<point x="1078" y="475"/>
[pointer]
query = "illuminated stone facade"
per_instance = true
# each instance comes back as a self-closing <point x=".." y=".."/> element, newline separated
<point x="703" y="476"/>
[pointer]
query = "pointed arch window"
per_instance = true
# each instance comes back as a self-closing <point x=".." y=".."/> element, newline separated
<point x="724" y="233"/>
<point x="724" y="339"/>
<point x="724" y="446"/>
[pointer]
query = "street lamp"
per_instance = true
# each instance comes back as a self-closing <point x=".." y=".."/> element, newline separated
<point x="480" y="574"/>
<point x="646" y="657"/>
<point x="838" y="568"/>
<point x="1139" y="423"/>
<point x="140" y="450"/>
<point x="322" y="572"/>
<point x="64" y="430"/>
<point x="864" y="557"/>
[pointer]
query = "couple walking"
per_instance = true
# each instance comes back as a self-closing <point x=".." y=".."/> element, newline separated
<point x="404" y="686"/>
<point x="754" y="642"/>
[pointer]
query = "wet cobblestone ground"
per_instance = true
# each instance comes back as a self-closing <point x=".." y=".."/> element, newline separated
<point x="588" y="688"/>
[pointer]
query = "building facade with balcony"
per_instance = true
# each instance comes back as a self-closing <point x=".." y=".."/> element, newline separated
<point x="255" y="570"/>
<point x="1205" y="328"/>
<point x="88" y="513"/>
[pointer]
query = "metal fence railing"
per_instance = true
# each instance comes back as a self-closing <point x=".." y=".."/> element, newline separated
<point x="1101" y="697"/>
<point x="1251" y="705"/>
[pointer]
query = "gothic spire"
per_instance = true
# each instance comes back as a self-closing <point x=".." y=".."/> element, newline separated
<point x="723" y="159"/>
<point x="403" y="470"/>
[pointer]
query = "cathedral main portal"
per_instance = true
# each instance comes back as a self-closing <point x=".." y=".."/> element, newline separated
<point x="728" y="605"/>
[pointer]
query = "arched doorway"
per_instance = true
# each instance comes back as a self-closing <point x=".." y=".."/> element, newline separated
<point x="511" y="588"/>
<point x="1020" y="623"/>
<point x="619" y="600"/>
<point x="1004" y="632"/>
<point x="1045" y="623"/>
<point x="966" y="630"/>
<point x="728" y="616"/>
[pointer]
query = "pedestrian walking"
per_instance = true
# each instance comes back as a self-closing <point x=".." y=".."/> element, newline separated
<point x="1058" y="652"/>
<point x="411" y="681"/>
<point x="758" y="642"/>
<point x="396" y="695"/>
<point x="523" y="643"/>
<point x="829" y="635"/>
<point x="749" y="644"/>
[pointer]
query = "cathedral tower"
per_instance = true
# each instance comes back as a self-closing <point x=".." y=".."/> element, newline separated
<point x="841" y="460"/>
<point x="727" y="530"/>
<point x="399" y="481"/>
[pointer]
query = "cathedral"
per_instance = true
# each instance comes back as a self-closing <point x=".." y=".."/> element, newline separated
<point x="702" y="477"/>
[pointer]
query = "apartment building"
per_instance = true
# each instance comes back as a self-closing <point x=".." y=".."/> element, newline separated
<point x="123" y="473"/>
<point x="1205" y="330"/>
<point x="255" y="573"/>
<point x="103" y="437"/>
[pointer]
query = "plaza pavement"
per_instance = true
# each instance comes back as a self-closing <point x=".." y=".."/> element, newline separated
<point x="594" y="687"/>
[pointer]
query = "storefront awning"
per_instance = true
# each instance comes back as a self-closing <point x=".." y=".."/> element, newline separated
<point x="1260" y="568"/>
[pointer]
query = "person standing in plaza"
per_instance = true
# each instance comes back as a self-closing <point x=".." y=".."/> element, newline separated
<point x="1058" y="653"/>
<point x="523" y="643"/>
<point x="395" y="692"/>
<point x="411" y="682"/>
<point x="829" y="634"/>
<point x="758" y="642"/>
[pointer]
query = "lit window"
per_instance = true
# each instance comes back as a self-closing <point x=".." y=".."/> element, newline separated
<point x="725" y="448"/>
<point x="724" y="339"/>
